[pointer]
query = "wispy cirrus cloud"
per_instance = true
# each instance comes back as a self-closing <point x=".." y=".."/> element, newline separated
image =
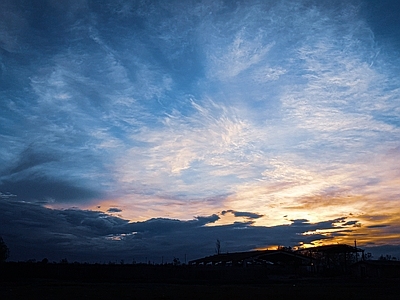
<point x="272" y="112"/>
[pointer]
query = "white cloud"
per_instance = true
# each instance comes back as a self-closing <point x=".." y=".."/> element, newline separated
<point x="240" y="55"/>
<point x="203" y="144"/>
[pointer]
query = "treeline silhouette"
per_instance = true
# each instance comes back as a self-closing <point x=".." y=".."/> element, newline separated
<point x="238" y="267"/>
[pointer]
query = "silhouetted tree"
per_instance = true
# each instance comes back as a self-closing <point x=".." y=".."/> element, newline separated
<point x="387" y="257"/>
<point x="368" y="256"/>
<point x="284" y="248"/>
<point x="64" y="261"/>
<point x="176" y="261"/>
<point x="4" y="251"/>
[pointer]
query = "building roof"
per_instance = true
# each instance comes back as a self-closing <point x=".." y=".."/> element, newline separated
<point x="265" y="255"/>
<point x="276" y="255"/>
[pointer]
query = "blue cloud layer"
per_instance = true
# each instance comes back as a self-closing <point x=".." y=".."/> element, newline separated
<point x="98" y="237"/>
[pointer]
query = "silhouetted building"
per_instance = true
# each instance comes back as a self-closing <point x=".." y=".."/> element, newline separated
<point x="377" y="269"/>
<point x="328" y="259"/>
<point x="274" y="260"/>
<point x="333" y="258"/>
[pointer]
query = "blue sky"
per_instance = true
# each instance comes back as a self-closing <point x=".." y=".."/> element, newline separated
<point x="273" y="120"/>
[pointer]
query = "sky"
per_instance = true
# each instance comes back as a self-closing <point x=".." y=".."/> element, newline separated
<point x="146" y="130"/>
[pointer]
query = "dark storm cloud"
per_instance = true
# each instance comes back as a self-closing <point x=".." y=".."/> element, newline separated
<point x="248" y="215"/>
<point x="95" y="223"/>
<point x="38" y="175"/>
<point x="28" y="159"/>
<point x="378" y="226"/>
<point x="163" y="225"/>
<point x="207" y="220"/>
<point x="348" y="223"/>
<point x="32" y="231"/>
<point x="300" y="222"/>
<point x="40" y="188"/>
<point x="114" y="210"/>
<point x="338" y="223"/>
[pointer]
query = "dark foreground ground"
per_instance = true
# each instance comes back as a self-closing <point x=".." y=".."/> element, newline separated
<point x="35" y="281"/>
<point x="291" y="289"/>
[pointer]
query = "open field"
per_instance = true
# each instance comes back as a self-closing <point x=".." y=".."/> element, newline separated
<point x="85" y="281"/>
<point x="287" y="289"/>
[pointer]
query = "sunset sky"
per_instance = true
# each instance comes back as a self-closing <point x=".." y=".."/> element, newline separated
<point x="150" y="129"/>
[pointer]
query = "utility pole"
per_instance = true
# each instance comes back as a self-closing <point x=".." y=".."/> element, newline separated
<point x="355" y="246"/>
<point x="218" y="247"/>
